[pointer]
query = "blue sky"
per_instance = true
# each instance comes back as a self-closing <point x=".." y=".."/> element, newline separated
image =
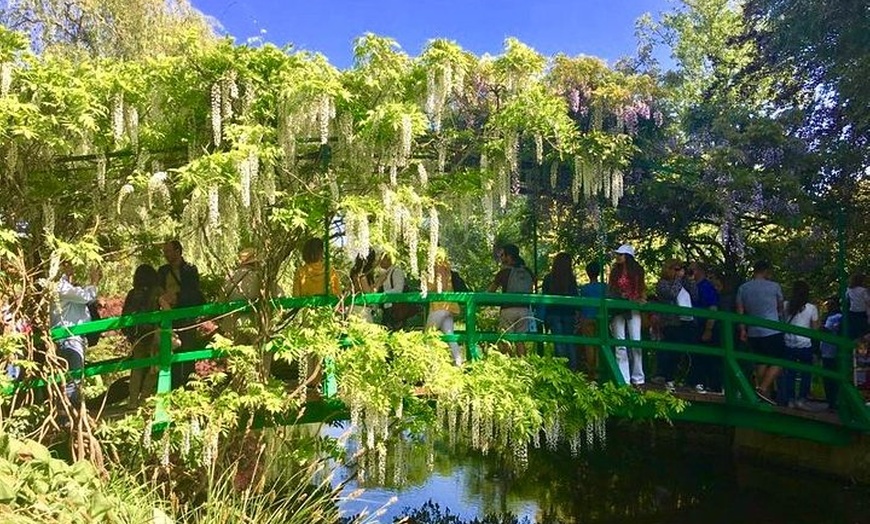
<point x="603" y="28"/>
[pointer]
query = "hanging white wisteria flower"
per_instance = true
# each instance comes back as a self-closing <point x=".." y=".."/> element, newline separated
<point x="422" y="174"/>
<point x="5" y="78"/>
<point x="434" y="233"/>
<point x="214" y="212"/>
<point x="323" y="118"/>
<point x="118" y="116"/>
<point x="442" y="157"/>
<point x="487" y="208"/>
<point x="126" y="191"/>
<point x="248" y="170"/>
<point x="616" y="190"/>
<point x="539" y="148"/>
<point x="512" y="151"/>
<point x="216" y="120"/>
<point x="484" y="162"/>
<point x="133" y="125"/>
<point x="101" y="171"/>
<point x="158" y="187"/>
<point x="358" y="238"/>
<point x="407" y="131"/>
<point x="503" y="185"/>
<point x="394" y="175"/>
<point x="48" y="218"/>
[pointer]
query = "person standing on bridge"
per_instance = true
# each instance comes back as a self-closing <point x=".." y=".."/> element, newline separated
<point x="627" y="282"/>
<point x="441" y="314"/>
<point x="70" y="309"/>
<point x="677" y="289"/>
<point x="562" y="319"/>
<point x="179" y="283"/>
<point x="799" y="312"/>
<point x="761" y="297"/>
<point x="514" y="277"/>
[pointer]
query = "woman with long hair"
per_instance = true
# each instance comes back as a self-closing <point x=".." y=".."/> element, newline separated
<point x="626" y="281"/>
<point x="362" y="281"/>
<point x="798" y="312"/>
<point x="441" y="313"/>
<point x="143" y="338"/>
<point x="676" y="289"/>
<point x="562" y="319"/>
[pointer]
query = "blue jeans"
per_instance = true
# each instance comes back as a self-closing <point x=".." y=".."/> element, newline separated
<point x="564" y="325"/>
<point x="790" y="376"/>
<point x="72" y="350"/>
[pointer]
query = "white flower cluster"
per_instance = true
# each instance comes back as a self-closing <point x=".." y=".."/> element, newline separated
<point x="554" y="174"/>
<point x="216" y="119"/>
<point x="434" y="232"/>
<point x="422" y="174"/>
<point x="594" y="179"/>
<point x="5" y="78"/>
<point x="539" y="148"/>
<point x="357" y="235"/>
<point x="158" y="188"/>
<point x="133" y="125"/>
<point x="407" y="131"/>
<point x="249" y="169"/>
<point x="439" y="83"/>
<point x="118" y="116"/>
<point x="394" y="175"/>
<point x="325" y="113"/>
<point x="48" y="218"/>
<point x="214" y="212"/>
<point x="487" y="209"/>
<point x="126" y="191"/>
<point x="101" y="171"/>
<point x="442" y="156"/>
<point x="512" y="151"/>
<point x="504" y="181"/>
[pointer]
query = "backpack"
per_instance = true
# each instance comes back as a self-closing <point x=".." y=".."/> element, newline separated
<point x="457" y="282"/>
<point x="519" y="281"/>
<point x="94" y="311"/>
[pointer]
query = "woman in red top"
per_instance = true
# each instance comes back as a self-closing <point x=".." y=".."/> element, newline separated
<point x="627" y="282"/>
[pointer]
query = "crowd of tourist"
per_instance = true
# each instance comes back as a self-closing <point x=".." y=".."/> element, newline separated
<point x="176" y="284"/>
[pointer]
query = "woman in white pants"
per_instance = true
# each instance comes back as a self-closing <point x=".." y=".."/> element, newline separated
<point x="441" y="313"/>
<point x="627" y="282"/>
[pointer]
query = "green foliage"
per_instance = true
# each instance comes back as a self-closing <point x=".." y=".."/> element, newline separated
<point x="36" y="487"/>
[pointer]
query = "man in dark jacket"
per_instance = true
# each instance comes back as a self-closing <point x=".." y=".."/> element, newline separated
<point x="179" y="284"/>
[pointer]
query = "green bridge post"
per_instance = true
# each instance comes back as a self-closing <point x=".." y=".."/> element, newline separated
<point x="164" y="373"/>
<point x="472" y="348"/>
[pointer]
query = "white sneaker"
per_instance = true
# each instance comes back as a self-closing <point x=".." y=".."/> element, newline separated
<point x="670" y="387"/>
<point x="699" y="388"/>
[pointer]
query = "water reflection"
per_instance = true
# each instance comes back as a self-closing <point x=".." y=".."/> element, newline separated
<point x="639" y="478"/>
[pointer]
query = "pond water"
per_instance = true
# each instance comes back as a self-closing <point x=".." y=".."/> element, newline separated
<point x="644" y="475"/>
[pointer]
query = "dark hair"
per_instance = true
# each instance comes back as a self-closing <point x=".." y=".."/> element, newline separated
<point x="562" y="280"/>
<point x="760" y="266"/>
<point x="363" y="266"/>
<point x="593" y="270"/>
<point x="312" y="250"/>
<point x="512" y="251"/>
<point x="856" y="280"/>
<point x="800" y="295"/>
<point x="145" y="276"/>
<point x="176" y="245"/>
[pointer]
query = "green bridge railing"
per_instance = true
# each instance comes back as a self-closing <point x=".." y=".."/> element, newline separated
<point x="741" y="406"/>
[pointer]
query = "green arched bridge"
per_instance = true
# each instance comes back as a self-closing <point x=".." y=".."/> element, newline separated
<point x="739" y="406"/>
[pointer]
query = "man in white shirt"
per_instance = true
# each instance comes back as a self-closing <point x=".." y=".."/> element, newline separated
<point x="70" y="309"/>
<point x="392" y="280"/>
